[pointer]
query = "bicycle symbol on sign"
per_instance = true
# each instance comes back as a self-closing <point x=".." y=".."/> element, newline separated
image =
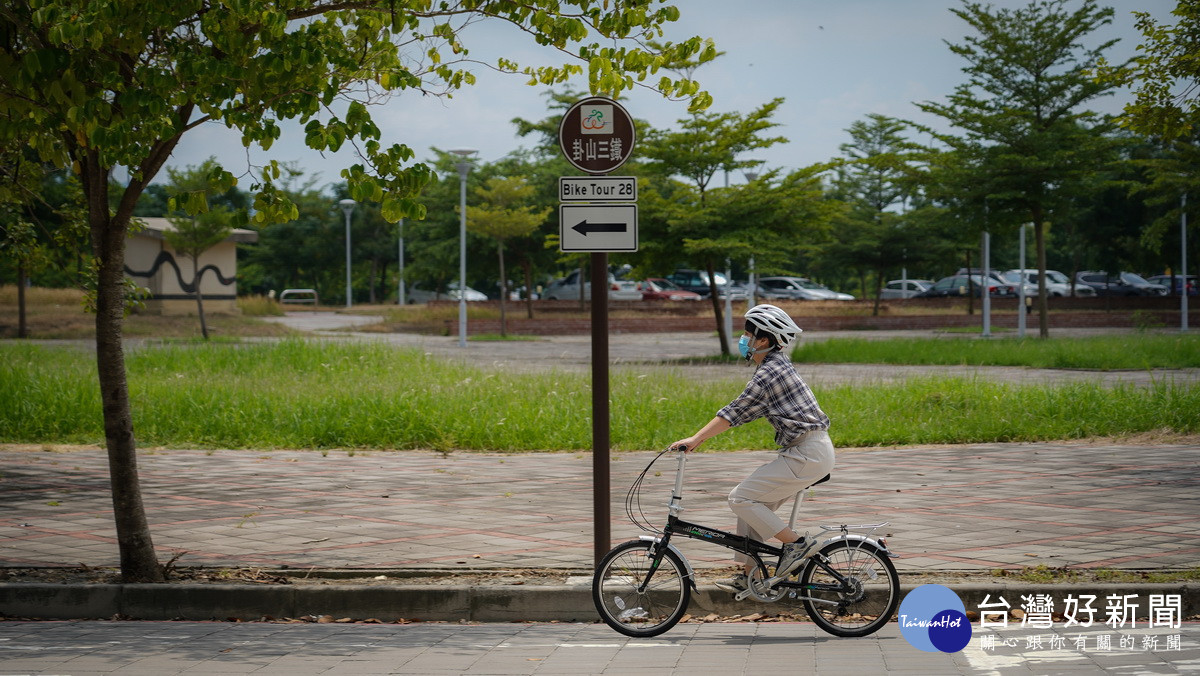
<point x="594" y="120"/>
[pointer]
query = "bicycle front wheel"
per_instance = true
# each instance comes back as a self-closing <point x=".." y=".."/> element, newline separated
<point x="622" y="602"/>
<point x="864" y="601"/>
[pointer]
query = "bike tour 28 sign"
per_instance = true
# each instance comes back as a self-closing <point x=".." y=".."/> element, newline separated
<point x="599" y="213"/>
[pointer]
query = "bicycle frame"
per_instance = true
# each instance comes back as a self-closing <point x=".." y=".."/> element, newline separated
<point x="749" y="546"/>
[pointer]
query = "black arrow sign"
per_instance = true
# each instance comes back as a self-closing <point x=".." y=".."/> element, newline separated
<point x="583" y="227"/>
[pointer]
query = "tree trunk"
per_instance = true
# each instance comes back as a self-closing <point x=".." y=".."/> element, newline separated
<point x="525" y="264"/>
<point x="22" y="327"/>
<point x="716" y="303"/>
<point x="138" y="560"/>
<point x="878" y="291"/>
<point x="371" y="281"/>
<point x="1040" y="238"/>
<point x="199" y="296"/>
<point x="383" y="281"/>
<point x="503" y="290"/>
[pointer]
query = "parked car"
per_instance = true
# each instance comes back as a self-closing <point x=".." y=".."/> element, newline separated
<point x="763" y="293"/>
<point x="1181" y="282"/>
<point x="734" y="291"/>
<point x="904" y="288"/>
<point x="1120" y="284"/>
<point x="658" y="288"/>
<point x="696" y="281"/>
<point x="961" y="285"/>
<point x="1058" y="285"/>
<point x="1014" y="285"/>
<point x="804" y="289"/>
<point x="567" y="288"/>
<point x="423" y="292"/>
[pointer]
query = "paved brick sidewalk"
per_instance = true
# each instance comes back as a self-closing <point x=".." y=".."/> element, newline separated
<point x="973" y="507"/>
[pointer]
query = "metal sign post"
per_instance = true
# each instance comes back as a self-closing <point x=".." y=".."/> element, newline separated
<point x="601" y="488"/>
<point x="596" y="135"/>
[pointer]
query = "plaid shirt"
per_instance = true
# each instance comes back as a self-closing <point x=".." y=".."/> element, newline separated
<point x="777" y="392"/>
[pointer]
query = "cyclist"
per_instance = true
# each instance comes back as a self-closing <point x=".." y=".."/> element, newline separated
<point x="778" y="393"/>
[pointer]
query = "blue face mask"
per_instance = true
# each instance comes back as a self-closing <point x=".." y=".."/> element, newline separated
<point x="744" y="346"/>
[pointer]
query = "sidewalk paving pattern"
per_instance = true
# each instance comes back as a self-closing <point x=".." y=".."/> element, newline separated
<point x="211" y="649"/>
<point x="962" y="508"/>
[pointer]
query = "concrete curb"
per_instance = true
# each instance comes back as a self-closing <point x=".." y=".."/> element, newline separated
<point x="510" y="603"/>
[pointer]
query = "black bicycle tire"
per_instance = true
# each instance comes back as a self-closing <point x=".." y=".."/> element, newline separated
<point x="671" y="619"/>
<point x="812" y="608"/>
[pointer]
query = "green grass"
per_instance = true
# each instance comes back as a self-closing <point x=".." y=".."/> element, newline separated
<point x="1043" y="574"/>
<point x="298" y="394"/>
<point x="1129" y="351"/>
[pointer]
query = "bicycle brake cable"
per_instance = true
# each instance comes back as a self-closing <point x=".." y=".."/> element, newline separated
<point x="633" y="498"/>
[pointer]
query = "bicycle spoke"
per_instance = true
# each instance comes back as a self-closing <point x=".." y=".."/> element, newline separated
<point x="628" y="608"/>
<point x="864" y="597"/>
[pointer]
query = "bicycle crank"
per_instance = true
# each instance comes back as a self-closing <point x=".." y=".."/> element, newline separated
<point x="760" y="587"/>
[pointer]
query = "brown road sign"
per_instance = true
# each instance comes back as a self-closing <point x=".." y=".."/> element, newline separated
<point x="596" y="135"/>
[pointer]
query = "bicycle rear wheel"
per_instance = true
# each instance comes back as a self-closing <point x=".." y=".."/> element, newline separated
<point x="634" y="612"/>
<point x="870" y="595"/>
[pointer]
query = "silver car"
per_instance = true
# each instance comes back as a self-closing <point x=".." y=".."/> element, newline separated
<point x="1058" y="285"/>
<point x="904" y="288"/>
<point x="423" y="293"/>
<point x="567" y="288"/>
<point x="802" y="289"/>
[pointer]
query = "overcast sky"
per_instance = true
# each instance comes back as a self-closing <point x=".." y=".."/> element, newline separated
<point x="833" y="61"/>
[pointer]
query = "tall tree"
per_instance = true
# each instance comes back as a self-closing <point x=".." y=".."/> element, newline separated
<point x="98" y="84"/>
<point x="1165" y="75"/>
<point x="1024" y="137"/>
<point x="503" y="215"/>
<point x="703" y="145"/>
<point x="875" y="178"/>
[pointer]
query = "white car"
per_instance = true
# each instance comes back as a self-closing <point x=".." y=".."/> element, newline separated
<point x="904" y="288"/>
<point x="1058" y="285"/>
<point x="802" y="288"/>
<point x="567" y="288"/>
<point x="421" y="293"/>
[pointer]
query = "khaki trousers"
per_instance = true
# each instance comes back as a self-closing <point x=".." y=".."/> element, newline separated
<point x="797" y="467"/>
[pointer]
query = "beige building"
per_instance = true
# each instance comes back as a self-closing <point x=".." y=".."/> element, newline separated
<point x="152" y="262"/>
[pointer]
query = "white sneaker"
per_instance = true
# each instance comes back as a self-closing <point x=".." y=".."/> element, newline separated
<point x="794" y="553"/>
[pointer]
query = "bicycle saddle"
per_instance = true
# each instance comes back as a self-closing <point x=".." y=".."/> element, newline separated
<point x="821" y="480"/>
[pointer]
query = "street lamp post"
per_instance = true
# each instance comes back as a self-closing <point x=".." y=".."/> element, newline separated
<point x="751" y="176"/>
<point x="464" y="168"/>
<point x="400" y="290"/>
<point x="1021" y="300"/>
<point x="728" y="300"/>
<point x="986" y="277"/>
<point x="1183" y="264"/>
<point x="347" y="206"/>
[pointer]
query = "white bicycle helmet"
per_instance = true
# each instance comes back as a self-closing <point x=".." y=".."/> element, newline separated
<point x="770" y="319"/>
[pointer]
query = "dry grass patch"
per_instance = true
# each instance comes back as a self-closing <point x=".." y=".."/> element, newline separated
<point x="59" y="314"/>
